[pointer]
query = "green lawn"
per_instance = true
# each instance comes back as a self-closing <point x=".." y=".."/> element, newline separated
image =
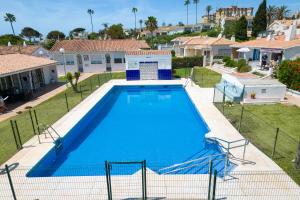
<point x="259" y="125"/>
<point x="48" y="112"/>
<point x="202" y="76"/>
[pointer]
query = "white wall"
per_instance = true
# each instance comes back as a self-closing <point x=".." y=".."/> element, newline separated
<point x="50" y="74"/>
<point x="132" y="61"/>
<point x="272" y="92"/>
<point x="291" y="53"/>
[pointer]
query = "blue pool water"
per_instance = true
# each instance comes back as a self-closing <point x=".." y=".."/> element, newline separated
<point x="158" y="124"/>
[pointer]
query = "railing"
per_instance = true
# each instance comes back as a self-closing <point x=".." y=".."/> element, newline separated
<point x="174" y="168"/>
<point x="46" y="130"/>
<point x="190" y="78"/>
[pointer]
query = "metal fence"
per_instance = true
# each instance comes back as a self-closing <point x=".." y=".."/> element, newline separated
<point x="275" y="142"/>
<point x="14" y="133"/>
<point x="136" y="180"/>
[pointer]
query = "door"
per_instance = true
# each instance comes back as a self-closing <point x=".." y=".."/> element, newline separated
<point x="79" y="63"/>
<point x="108" y="62"/>
<point x="149" y="70"/>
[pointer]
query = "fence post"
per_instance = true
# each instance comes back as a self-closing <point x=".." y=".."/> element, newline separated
<point x="81" y="92"/>
<point x="223" y="99"/>
<point x="209" y="180"/>
<point x="32" y="123"/>
<point x="99" y="80"/>
<point x="241" y="118"/>
<point x="18" y="134"/>
<point x="37" y="122"/>
<point x="108" y="183"/>
<point x="214" y="185"/>
<point x="14" y="133"/>
<point x="275" y="143"/>
<point x="144" y="181"/>
<point x="91" y="85"/>
<point x="10" y="182"/>
<point x="67" y="104"/>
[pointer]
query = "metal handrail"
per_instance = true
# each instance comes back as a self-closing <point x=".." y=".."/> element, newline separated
<point x="46" y="128"/>
<point x="191" y="161"/>
<point x="189" y="78"/>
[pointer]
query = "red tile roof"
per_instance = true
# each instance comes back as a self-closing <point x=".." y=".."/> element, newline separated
<point x="148" y="52"/>
<point x="12" y="63"/>
<point x="28" y="50"/>
<point x="99" y="45"/>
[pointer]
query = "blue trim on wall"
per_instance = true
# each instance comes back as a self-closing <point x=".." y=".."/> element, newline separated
<point x="132" y="75"/>
<point x="164" y="74"/>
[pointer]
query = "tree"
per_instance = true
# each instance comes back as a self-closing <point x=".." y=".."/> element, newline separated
<point x="180" y="24"/>
<point x="271" y="14"/>
<point x="187" y="3"/>
<point x="30" y="33"/>
<point x="55" y="35"/>
<point x="151" y="24"/>
<point x="208" y="10"/>
<point x="260" y="19"/>
<point x="288" y="74"/>
<point x="70" y="78"/>
<point x="8" y="17"/>
<point x="91" y="12"/>
<point x="141" y="23"/>
<point x="241" y="28"/>
<point x="93" y="36"/>
<point x="229" y="28"/>
<point x="196" y="2"/>
<point x="76" y="31"/>
<point x="282" y="12"/>
<point x="13" y="39"/>
<point x="115" y="31"/>
<point x="134" y="10"/>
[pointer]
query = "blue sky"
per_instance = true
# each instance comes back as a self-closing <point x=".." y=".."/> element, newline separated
<point x="64" y="15"/>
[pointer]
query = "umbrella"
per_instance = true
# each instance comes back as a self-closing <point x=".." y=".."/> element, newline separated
<point x="244" y="50"/>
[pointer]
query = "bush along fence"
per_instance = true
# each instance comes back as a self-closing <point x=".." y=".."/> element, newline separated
<point x="19" y="129"/>
<point x="183" y="62"/>
<point x="136" y="180"/>
<point x="273" y="141"/>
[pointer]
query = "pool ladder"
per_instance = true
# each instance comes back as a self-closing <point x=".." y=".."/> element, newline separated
<point x="189" y="79"/>
<point x="46" y="129"/>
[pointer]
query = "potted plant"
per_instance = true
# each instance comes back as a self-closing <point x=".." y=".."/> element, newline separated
<point x="253" y="95"/>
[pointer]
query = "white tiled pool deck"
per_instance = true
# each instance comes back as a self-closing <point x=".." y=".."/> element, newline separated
<point x="248" y="181"/>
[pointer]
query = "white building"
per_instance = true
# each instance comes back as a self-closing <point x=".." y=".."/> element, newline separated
<point x="31" y="50"/>
<point x="148" y="65"/>
<point x="22" y="75"/>
<point x="281" y="27"/>
<point x="93" y="55"/>
<point x="250" y="90"/>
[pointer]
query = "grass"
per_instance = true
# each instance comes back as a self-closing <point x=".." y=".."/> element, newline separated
<point x="259" y="125"/>
<point x="48" y="112"/>
<point x="202" y="76"/>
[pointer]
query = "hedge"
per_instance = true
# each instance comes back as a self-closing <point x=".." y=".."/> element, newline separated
<point x="184" y="62"/>
<point x="289" y="74"/>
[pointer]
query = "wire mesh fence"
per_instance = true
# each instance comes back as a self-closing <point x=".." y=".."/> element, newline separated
<point x="15" y="132"/>
<point x="275" y="142"/>
<point x="133" y="181"/>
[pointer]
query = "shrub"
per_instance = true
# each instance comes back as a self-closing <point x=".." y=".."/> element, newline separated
<point x="230" y="63"/>
<point x="242" y="66"/>
<point x="289" y="74"/>
<point x="226" y="58"/>
<point x="173" y="53"/>
<point x="178" y="63"/>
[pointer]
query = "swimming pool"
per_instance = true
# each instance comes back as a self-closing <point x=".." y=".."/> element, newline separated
<point x="159" y="124"/>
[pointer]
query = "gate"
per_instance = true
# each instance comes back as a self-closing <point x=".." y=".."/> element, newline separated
<point x="126" y="180"/>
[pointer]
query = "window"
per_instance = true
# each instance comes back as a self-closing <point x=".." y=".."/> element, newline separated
<point x="69" y="60"/>
<point x="118" y="60"/>
<point x="86" y="57"/>
<point x="96" y="59"/>
<point x="263" y="91"/>
<point x="59" y="59"/>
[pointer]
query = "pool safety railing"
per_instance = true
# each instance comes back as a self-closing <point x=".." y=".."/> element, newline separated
<point x="193" y="163"/>
<point x="189" y="78"/>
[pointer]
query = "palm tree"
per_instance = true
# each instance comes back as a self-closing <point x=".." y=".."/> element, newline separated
<point x="208" y="10"/>
<point x="187" y="3"/>
<point x="141" y="24"/>
<point x="282" y="12"/>
<point x="271" y="14"/>
<point x="8" y="17"/>
<point x="196" y="2"/>
<point x="151" y="24"/>
<point x="105" y="25"/>
<point x="134" y="10"/>
<point x="91" y="12"/>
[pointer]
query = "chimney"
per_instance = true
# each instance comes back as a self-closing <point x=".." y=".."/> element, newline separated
<point x="292" y="32"/>
<point x="232" y="38"/>
<point x="9" y="44"/>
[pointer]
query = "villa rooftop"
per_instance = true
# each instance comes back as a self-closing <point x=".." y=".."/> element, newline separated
<point x="11" y="63"/>
<point x="199" y="40"/>
<point x="148" y="52"/>
<point x="15" y="49"/>
<point x="99" y="45"/>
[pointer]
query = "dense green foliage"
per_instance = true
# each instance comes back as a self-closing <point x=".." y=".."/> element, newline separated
<point x="30" y="33"/>
<point x="115" y="31"/>
<point x="213" y="33"/>
<point x="151" y="24"/>
<point x="4" y="39"/>
<point x="241" y="28"/>
<point x="93" y="36"/>
<point x="178" y="63"/>
<point x="55" y="35"/>
<point x="241" y="65"/>
<point x="289" y="74"/>
<point x="260" y="19"/>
